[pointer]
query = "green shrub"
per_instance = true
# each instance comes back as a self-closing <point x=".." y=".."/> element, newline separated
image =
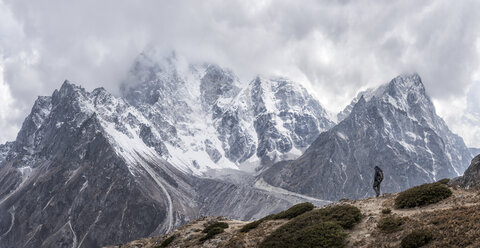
<point x="417" y="238"/>
<point x="444" y="181"/>
<point x="295" y="211"/>
<point x="390" y="224"/>
<point x="212" y="232"/>
<point x="167" y="241"/>
<point x="255" y="224"/>
<point x="345" y="215"/>
<point x="386" y="211"/>
<point x="269" y="217"/>
<point x="222" y="225"/>
<point x="302" y="227"/>
<point x="250" y="226"/>
<point x="422" y="195"/>
<point x="324" y="234"/>
<point x="292" y="212"/>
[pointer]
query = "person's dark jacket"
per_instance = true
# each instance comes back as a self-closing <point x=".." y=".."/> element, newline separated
<point x="378" y="176"/>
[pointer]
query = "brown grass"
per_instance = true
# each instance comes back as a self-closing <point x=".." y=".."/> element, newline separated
<point x="390" y="224"/>
<point x="456" y="227"/>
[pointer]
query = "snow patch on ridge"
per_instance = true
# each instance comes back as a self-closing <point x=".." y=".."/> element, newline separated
<point x="130" y="148"/>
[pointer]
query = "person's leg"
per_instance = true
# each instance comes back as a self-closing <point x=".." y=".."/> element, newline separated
<point x="376" y="187"/>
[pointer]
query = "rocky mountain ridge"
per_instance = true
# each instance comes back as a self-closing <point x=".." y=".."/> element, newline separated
<point x="207" y="119"/>
<point x="471" y="177"/>
<point x="394" y="127"/>
<point x="87" y="165"/>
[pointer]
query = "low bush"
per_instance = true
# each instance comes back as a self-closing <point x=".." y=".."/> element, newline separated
<point x="269" y="217"/>
<point x="167" y="241"/>
<point x="213" y="229"/>
<point x="324" y="234"/>
<point x="422" y="195"/>
<point x="417" y="238"/>
<point x="444" y="181"/>
<point x="304" y="226"/>
<point x="345" y="215"/>
<point x="251" y="225"/>
<point x="294" y="211"/>
<point x="386" y="211"/>
<point x="222" y="225"/>
<point x="211" y="233"/>
<point x="390" y="224"/>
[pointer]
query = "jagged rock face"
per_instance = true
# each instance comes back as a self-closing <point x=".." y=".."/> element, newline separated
<point x="285" y="117"/>
<point x="210" y="119"/>
<point x="272" y="119"/>
<point x="416" y="103"/>
<point x="471" y="177"/>
<point x="288" y="118"/>
<point x="4" y="149"/>
<point x="395" y="128"/>
<point x="474" y="150"/>
<point x="177" y="112"/>
<point x="215" y="84"/>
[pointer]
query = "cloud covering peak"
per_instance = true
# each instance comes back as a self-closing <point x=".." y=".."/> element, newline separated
<point x="336" y="48"/>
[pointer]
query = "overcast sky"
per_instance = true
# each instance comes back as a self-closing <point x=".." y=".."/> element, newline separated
<point x="336" y="48"/>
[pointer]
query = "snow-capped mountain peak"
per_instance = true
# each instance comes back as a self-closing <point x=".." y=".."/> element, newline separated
<point x="161" y="147"/>
<point x="395" y="127"/>
<point x="210" y="119"/>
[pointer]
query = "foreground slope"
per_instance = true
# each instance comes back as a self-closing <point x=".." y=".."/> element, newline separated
<point x="394" y="127"/>
<point x="453" y="222"/>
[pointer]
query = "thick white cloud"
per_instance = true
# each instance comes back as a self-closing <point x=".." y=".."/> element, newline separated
<point x="9" y="115"/>
<point x="335" y="47"/>
<point x="462" y="114"/>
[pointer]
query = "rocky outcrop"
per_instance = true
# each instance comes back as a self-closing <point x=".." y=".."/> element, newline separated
<point x="4" y="149"/>
<point x="471" y="177"/>
<point x="474" y="150"/>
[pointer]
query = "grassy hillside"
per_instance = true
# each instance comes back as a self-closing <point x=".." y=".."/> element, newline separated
<point x="432" y="215"/>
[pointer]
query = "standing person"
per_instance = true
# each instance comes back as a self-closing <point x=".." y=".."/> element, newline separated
<point x="377" y="180"/>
